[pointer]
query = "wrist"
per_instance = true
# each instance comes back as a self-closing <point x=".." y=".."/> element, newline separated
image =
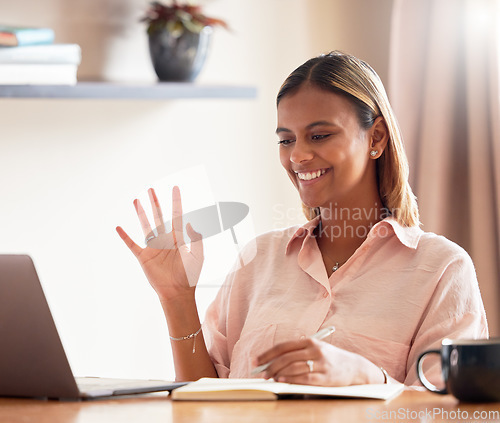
<point x="182" y="298"/>
<point x="368" y="373"/>
<point x="181" y="313"/>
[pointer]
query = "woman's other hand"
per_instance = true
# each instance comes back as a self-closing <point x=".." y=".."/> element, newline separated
<point x="313" y="362"/>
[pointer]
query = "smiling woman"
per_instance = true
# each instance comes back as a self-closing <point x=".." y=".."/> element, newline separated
<point x="361" y="263"/>
<point x="361" y="91"/>
<point x="329" y="159"/>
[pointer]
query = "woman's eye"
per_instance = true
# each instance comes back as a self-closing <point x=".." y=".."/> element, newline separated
<point x="285" y="142"/>
<point x="320" y="137"/>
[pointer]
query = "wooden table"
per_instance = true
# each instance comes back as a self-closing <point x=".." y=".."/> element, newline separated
<point x="410" y="406"/>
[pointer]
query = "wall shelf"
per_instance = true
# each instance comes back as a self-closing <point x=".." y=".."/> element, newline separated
<point x="126" y="91"/>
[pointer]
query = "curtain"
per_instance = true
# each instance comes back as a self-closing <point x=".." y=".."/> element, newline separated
<point x="444" y="86"/>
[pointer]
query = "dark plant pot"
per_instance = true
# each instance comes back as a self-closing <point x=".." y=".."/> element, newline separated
<point x="179" y="58"/>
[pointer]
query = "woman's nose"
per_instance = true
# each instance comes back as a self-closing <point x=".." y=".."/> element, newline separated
<point x="301" y="151"/>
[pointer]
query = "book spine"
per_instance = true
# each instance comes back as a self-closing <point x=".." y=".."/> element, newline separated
<point x="50" y="74"/>
<point x="42" y="54"/>
<point x="34" y="36"/>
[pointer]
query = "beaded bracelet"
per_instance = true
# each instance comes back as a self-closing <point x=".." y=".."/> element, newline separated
<point x="191" y="335"/>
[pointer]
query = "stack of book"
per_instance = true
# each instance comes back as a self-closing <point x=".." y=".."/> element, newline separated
<point x="29" y="56"/>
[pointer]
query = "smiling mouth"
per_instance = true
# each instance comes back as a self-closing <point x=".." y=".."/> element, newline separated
<point x="309" y="176"/>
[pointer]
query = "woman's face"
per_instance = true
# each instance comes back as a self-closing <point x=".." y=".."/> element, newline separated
<point x="324" y="150"/>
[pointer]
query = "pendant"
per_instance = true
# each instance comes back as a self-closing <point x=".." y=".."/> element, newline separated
<point x="336" y="267"/>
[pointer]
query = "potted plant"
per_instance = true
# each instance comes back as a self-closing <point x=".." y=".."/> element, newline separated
<point x="179" y="37"/>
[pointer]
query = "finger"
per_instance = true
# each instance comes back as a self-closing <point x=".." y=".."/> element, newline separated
<point x="177" y="227"/>
<point x="143" y="219"/>
<point x="193" y="235"/>
<point x="304" y="379"/>
<point x="291" y="363"/>
<point x="136" y="250"/>
<point x="193" y="255"/>
<point x="196" y="246"/>
<point x="157" y="213"/>
<point x="295" y="368"/>
<point x="283" y="348"/>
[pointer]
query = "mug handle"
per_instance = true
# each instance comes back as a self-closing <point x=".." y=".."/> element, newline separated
<point x="421" y="376"/>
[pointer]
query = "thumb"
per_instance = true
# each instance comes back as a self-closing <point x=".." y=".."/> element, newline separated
<point x="193" y="235"/>
<point x="196" y="246"/>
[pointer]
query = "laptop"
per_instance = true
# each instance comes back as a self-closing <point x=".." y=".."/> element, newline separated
<point x="33" y="362"/>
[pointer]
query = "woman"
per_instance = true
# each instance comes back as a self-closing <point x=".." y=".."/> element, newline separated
<point x="361" y="263"/>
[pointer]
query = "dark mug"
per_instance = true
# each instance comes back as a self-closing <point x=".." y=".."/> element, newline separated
<point x="471" y="369"/>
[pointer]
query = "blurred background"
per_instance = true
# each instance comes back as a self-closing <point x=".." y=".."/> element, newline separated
<point x="70" y="169"/>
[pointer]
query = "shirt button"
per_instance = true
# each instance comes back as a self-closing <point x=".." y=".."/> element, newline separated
<point x="325" y="294"/>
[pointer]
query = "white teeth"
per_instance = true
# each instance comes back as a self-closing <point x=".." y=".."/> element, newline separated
<point x="307" y="176"/>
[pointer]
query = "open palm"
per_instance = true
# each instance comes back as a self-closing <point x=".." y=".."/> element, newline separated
<point x="171" y="267"/>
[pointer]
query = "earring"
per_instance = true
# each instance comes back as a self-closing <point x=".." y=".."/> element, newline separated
<point x="373" y="153"/>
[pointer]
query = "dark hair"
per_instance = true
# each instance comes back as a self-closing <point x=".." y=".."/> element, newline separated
<point x="321" y="71"/>
<point x="354" y="79"/>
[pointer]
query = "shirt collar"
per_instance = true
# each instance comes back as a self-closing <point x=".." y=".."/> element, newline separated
<point x="302" y="233"/>
<point x="409" y="236"/>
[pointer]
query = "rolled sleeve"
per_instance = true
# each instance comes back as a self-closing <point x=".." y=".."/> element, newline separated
<point x="455" y="311"/>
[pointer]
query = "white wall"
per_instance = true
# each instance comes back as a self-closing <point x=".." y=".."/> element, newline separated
<point x="69" y="169"/>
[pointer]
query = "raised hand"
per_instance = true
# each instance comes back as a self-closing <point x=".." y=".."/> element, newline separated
<point x="172" y="267"/>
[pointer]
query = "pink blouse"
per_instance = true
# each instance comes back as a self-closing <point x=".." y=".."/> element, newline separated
<point x="399" y="294"/>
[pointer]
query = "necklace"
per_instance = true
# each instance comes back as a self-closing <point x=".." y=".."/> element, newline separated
<point x="337" y="264"/>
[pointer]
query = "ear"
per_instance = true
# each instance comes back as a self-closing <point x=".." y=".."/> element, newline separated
<point x="379" y="137"/>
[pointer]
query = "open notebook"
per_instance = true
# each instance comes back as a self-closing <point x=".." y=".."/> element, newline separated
<point x="32" y="359"/>
<point x="262" y="389"/>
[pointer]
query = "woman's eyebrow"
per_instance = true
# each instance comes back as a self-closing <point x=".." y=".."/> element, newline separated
<point x="320" y="123"/>
<point x="310" y="126"/>
<point x="279" y="129"/>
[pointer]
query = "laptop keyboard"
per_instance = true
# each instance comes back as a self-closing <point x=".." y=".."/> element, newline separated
<point x="86" y="384"/>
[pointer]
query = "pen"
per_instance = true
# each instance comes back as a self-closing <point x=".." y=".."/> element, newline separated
<point x="322" y="333"/>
